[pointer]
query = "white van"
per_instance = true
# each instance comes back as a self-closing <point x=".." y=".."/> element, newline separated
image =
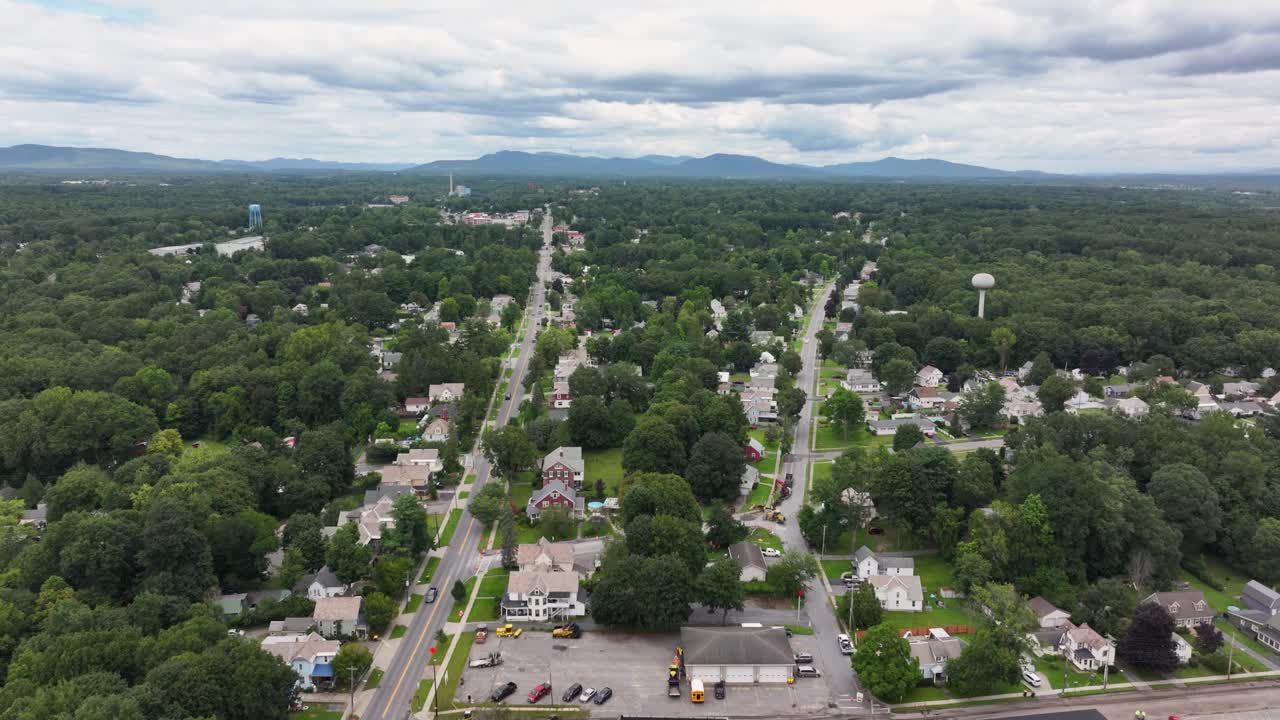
<point x="1031" y="678"/>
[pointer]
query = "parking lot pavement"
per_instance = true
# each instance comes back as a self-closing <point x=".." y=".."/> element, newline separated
<point x="635" y="667"/>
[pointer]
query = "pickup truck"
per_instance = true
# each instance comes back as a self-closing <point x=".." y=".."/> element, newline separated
<point x="673" y="687"/>
<point x="491" y="660"/>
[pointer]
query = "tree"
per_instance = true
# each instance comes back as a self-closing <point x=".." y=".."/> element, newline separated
<point x="897" y="375"/>
<point x="459" y="591"/>
<point x="975" y="485"/>
<point x="1189" y="503"/>
<point x="715" y="469"/>
<point x="644" y="593"/>
<point x="346" y="557"/>
<point x="885" y="664"/>
<point x="907" y="436"/>
<point x="653" y="447"/>
<point x="660" y="494"/>
<point x="1054" y="393"/>
<point x="486" y="505"/>
<point x="987" y="663"/>
<point x="411" y="524"/>
<point x="720" y="587"/>
<point x="304" y="531"/>
<point x="792" y="572"/>
<point x="586" y="380"/>
<point x="723" y="529"/>
<point x="845" y="410"/>
<point x="912" y="483"/>
<point x="507" y="533"/>
<point x="350" y="664"/>
<point x="944" y="353"/>
<point x="1106" y="606"/>
<point x="1041" y="369"/>
<point x="292" y="568"/>
<point x="1266" y="549"/>
<point x="80" y="488"/>
<point x="981" y="407"/>
<point x="391" y="573"/>
<point x="239" y="544"/>
<point x="166" y="442"/>
<point x="556" y="523"/>
<point x="589" y="424"/>
<point x="867" y="611"/>
<point x="1148" y="643"/>
<point x="1003" y="339"/>
<point x="379" y="609"/>
<point x="1208" y="638"/>
<point x="971" y="569"/>
<point x="508" y="449"/>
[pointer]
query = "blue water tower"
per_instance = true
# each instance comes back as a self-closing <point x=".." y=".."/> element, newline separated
<point x="255" y="216"/>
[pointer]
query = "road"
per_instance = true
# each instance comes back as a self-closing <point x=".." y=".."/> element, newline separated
<point x="836" y="670"/>
<point x="392" y="699"/>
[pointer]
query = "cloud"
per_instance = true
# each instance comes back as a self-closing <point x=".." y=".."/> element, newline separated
<point x="1093" y="85"/>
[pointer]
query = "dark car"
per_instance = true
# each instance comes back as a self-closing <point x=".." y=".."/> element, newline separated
<point x="603" y="695"/>
<point x="720" y="690"/>
<point x="502" y="692"/>
<point x="540" y="691"/>
<point x="430" y="597"/>
<point x="572" y="692"/>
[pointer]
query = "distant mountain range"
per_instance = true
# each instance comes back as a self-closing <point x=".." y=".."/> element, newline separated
<point x="48" y="158"/>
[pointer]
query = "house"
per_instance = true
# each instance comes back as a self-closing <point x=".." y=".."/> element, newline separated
<point x="310" y="656"/>
<point x="1048" y="615"/>
<point x="564" y="464"/>
<point x="762" y="337"/>
<point x="560" y="398"/>
<point x="231" y="604"/>
<point x="416" y="405"/>
<point x="750" y="558"/>
<point x="860" y="381"/>
<point x="1081" y="402"/>
<point x="767" y="358"/>
<point x="372" y="520"/>
<point x="1019" y="410"/>
<point x="926" y="398"/>
<point x="545" y="556"/>
<point x="1115" y="392"/>
<point x="1240" y="390"/>
<point x="1182" y="649"/>
<point x="1086" y="649"/>
<point x="737" y="655"/>
<point x="445" y="392"/>
<point x="932" y="652"/>
<point x="37" y="517"/>
<point x="554" y="494"/>
<point x="867" y="563"/>
<point x="718" y="312"/>
<point x="1242" y="408"/>
<point x="320" y="584"/>
<point x="754" y="450"/>
<point x="1024" y="370"/>
<point x="898" y="592"/>
<point x="1261" y="624"/>
<point x="1205" y="402"/>
<point x="929" y="376"/>
<point x="1260" y="597"/>
<point x="750" y="476"/>
<point x="759" y="408"/>
<point x="414" y="469"/>
<point x="340" y="616"/>
<point x="853" y="496"/>
<point x="1133" y="407"/>
<point x="1188" y="607"/>
<point x="290" y="627"/>
<point x="843" y="331"/>
<point x="889" y="427"/>
<point x="764" y="370"/>
<point x="540" y="596"/>
<point x="390" y="360"/>
<point x="436" y="431"/>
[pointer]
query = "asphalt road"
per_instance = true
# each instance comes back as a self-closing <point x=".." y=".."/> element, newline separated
<point x="391" y="700"/>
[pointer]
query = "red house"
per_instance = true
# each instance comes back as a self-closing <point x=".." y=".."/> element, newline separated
<point x="554" y="494"/>
<point x="754" y="450"/>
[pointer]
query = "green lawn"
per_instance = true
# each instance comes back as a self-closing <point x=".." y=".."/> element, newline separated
<point x="526" y="533"/>
<point x="767" y="465"/>
<point x="453" y="672"/>
<point x="925" y="693"/>
<point x="1232" y="584"/>
<point x="1244" y="638"/>
<point x="460" y="605"/>
<point x="934" y="573"/>
<point x="415" y="600"/>
<point x="487" y="604"/>
<point x="521" y="489"/>
<point x="765" y="539"/>
<point x="1053" y="667"/>
<point x="829" y="438"/>
<point x="429" y="570"/>
<point x="602" y="465"/>
<point x="420" y="695"/>
<point x="759" y="434"/>
<point x="799" y="629"/>
<point x="398" y="632"/>
<point x="760" y="494"/>
<point x="835" y="568"/>
<point x="316" y="715"/>
<point x="375" y="679"/>
<point x="407" y="429"/>
<point x="454" y="516"/>
<point x="820" y="470"/>
<point x="953" y="614"/>
<point x="438" y="658"/>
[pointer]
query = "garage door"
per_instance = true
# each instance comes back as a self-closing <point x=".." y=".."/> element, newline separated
<point x="740" y="674"/>
<point x="774" y="673"/>
<point x="705" y="673"/>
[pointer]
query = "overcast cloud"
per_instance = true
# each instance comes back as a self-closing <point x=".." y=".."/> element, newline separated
<point x="1061" y="86"/>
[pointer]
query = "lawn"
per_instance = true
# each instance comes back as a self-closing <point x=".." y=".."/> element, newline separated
<point x="1053" y="667"/>
<point x="375" y="679"/>
<point x="925" y="693"/>
<point x="316" y="714"/>
<point x="603" y="465"/>
<point x="440" y="649"/>
<point x="455" y="612"/>
<point x="759" y="435"/>
<point x="526" y="533"/>
<point x="768" y="464"/>
<point x="799" y="629"/>
<point x="953" y="614"/>
<point x="765" y="539"/>
<point x="1232" y="582"/>
<point x="760" y="494"/>
<point x="454" y="516"/>
<point x="398" y="632"/>
<point x="934" y="573"/>
<point x="420" y="695"/>
<point x="835" y="568"/>
<point x="486" y="607"/>
<point x="1244" y="639"/>
<point x="829" y="438"/>
<point x="415" y="600"/>
<point x="820" y="470"/>
<point x="453" y="672"/>
<point x="429" y="570"/>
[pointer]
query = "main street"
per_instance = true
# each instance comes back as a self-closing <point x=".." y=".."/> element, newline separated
<point x="392" y="699"/>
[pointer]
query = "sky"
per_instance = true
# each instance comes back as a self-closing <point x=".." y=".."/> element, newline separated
<point x="1073" y="86"/>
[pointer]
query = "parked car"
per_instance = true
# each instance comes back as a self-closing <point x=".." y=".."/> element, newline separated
<point x="540" y="691"/>
<point x="770" y="552"/>
<point x="430" y="597"/>
<point x="846" y="645"/>
<point x="587" y="695"/>
<point x="807" y="671"/>
<point x="1031" y="678"/>
<point x="571" y="692"/>
<point x="719" y="689"/>
<point x="502" y="692"/>
<point x="803" y="658"/>
<point x="603" y="696"/>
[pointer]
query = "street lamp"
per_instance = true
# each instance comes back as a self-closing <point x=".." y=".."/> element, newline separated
<point x="435" y="684"/>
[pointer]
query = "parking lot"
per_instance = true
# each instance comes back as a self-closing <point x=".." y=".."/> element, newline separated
<point x="635" y="667"/>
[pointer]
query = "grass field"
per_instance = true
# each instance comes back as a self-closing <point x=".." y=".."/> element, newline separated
<point x="398" y="632"/>
<point x="953" y="614"/>
<point x="316" y="715"/>
<point x="799" y="629"/>
<point x="460" y="605"/>
<point x="375" y="679"/>
<point x="925" y="693"/>
<point x="420" y="695"/>
<point x="829" y="438"/>
<point x="835" y="568"/>
<point x="464" y="494"/>
<point x="1240" y="635"/>
<point x="934" y="573"/>
<point x="760" y="494"/>
<point x="438" y="658"/>
<point x="429" y="570"/>
<point x="415" y="601"/>
<point x="603" y="465"/>
<point x="1232" y="584"/>
<point x="768" y="465"/>
<point x="1053" y="667"/>
<point x="454" y="516"/>
<point x="765" y="539"/>
<point x="453" y="672"/>
<point x="487" y="604"/>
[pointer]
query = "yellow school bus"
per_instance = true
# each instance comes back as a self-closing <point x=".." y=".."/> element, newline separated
<point x="696" y="693"/>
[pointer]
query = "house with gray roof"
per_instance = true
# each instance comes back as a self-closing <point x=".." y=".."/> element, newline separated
<point x="542" y="595"/>
<point x="751" y="559"/>
<point x="737" y="655"/>
<point x="554" y="494"/>
<point x="933" y="651"/>
<point x="1188" y="608"/>
<point x="1260" y="597"/>
<point x="564" y="464"/>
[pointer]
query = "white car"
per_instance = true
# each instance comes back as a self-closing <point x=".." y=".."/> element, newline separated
<point x="1031" y="678"/>
<point x="587" y="695"/>
<point x="770" y="552"/>
<point x="846" y="645"/>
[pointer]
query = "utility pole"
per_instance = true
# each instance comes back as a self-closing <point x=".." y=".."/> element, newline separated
<point x="1231" y="650"/>
<point x="824" y="538"/>
<point x="352" y="672"/>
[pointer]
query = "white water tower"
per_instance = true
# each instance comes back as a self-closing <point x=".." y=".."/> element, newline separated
<point x="983" y="282"/>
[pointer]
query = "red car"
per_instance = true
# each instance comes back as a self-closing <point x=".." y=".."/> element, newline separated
<point x="539" y="692"/>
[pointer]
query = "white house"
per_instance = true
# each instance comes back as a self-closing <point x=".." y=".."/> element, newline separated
<point x="1019" y="410"/>
<point x="933" y="652"/>
<point x="436" y="431"/>
<point x="1133" y="407"/>
<point x="929" y="376"/>
<point x="889" y="427"/>
<point x="737" y="655"/>
<point x="867" y="563"/>
<point x="545" y="556"/>
<point x="310" y="656"/>
<point x="1182" y="649"/>
<point x="1086" y="649"/>
<point x="898" y="592"/>
<point x="750" y="476"/>
<point x="445" y="392"/>
<point x="1047" y="614"/>
<point x="860" y="381"/>
<point x="540" y="596"/>
<point x="321" y="584"/>
<point x="750" y="559"/>
<point x="416" y="405"/>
